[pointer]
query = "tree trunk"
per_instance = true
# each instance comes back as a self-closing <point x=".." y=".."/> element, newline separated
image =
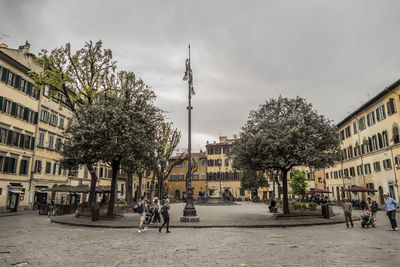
<point x="129" y="182"/>
<point x="114" y="167"/>
<point x="152" y="184"/>
<point x="285" y="192"/>
<point x="93" y="181"/>
<point x="273" y="188"/>
<point x="139" y="194"/>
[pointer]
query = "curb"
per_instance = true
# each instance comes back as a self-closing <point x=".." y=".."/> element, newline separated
<point x="202" y="226"/>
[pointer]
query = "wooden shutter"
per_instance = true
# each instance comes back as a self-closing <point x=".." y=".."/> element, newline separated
<point x="33" y="143"/>
<point x="10" y="136"/>
<point x="29" y="89"/>
<point x="26" y="113"/>
<point x="17" y="83"/>
<point x="4" y="75"/>
<point x="36" y="118"/>
<point x="14" y="109"/>
<point x="6" y="164"/>
<point x="21" y="140"/>
<point x="1" y="103"/>
<point x="37" y="93"/>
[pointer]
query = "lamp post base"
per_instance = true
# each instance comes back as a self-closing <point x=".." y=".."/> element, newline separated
<point x="190" y="219"/>
<point x="189" y="212"/>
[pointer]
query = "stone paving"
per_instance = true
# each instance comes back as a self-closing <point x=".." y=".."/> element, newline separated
<point x="245" y="214"/>
<point x="31" y="240"/>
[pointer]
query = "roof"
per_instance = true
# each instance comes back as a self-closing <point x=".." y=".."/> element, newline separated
<point x="22" y="57"/>
<point x="194" y="155"/>
<point x="227" y="142"/>
<point x="370" y="102"/>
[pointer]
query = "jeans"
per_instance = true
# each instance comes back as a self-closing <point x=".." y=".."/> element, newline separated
<point x="166" y="222"/>
<point x="392" y="218"/>
<point x="157" y="217"/>
<point x="347" y="216"/>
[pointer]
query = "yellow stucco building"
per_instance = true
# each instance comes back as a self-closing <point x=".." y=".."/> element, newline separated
<point x="370" y="148"/>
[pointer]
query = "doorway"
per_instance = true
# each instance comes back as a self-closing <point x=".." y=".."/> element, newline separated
<point x="380" y="189"/>
<point x="12" y="201"/>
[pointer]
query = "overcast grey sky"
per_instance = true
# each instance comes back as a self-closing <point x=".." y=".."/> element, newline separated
<point x="336" y="54"/>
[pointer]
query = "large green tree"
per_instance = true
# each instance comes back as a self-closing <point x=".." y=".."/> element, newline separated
<point x="283" y="133"/>
<point x="252" y="180"/>
<point x="298" y="183"/>
<point x="74" y="78"/>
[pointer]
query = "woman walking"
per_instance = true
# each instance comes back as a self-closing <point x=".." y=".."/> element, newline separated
<point x="165" y="212"/>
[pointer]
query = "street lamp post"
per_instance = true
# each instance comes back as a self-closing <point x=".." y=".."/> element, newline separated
<point x="189" y="210"/>
<point x="220" y="177"/>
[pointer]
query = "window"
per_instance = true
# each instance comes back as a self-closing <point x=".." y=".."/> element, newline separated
<point x="342" y="135"/>
<point x="203" y="176"/>
<point x="348" y="132"/>
<point x="226" y="150"/>
<point x="352" y="171"/>
<point x="326" y="175"/>
<point x="346" y="172"/>
<point x="61" y="123"/>
<point x="53" y="120"/>
<point x="28" y="140"/>
<point x="359" y="170"/>
<point x="385" y="138"/>
<point x="41" y="139"/>
<point x="218" y="150"/>
<point x="51" y="142"/>
<point x="226" y="162"/>
<point x="10" y="165"/>
<point x="380" y="113"/>
<point x="377" y="166"/>
<point x="1" y="163"/>
<point x="210" y="151"/>
<point x="58" y="144"/>
<point x="380" y="140"/>
<point x="367" y="168"/>
<point x="7" y="106"/>
<point x="336" y="174"/>
<point x="11" y="79"/>
<point x="122" y="189"/>
<point x="16" y="137"/>
<point x="195" y="176"/>
<point x="57" y="168"/>
<point x="38" y="166"/>
<point x="396" y="161"/>
<point x="24" y="165"/>
<point x="48" y="167"/>
<point x="371" y="186"/>
<point x="355" y="127"/>
<point x="350" y="151"/>
<point x="210" y="162"/>
<point x="3" y="136"/>
<point x="371" y="118"/>
<point x="22" y="86"/>
<point x="387" y="165"/>
<point x="391" y="106"/>
<point x="395" y="138"/>
<point x="44" y="115"/>
<point x="19" y="111"/>
<point x="361" y="124"/>
<point x="101" y="172"/>
<point x="46" y="91"/>
<point x="374" y="142"/>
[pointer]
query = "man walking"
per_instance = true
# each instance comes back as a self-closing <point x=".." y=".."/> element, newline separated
<point x="347" y="208"/>
<point x="165" y="213"/>
<point x="142" y="212"/>
<point x="391" y="205"/>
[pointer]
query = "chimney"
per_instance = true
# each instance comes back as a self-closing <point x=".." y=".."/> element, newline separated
<point x="222" y="139"/>
<point x="24" y="48"/>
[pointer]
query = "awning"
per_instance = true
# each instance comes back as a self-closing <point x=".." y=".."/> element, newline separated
<point x="69" y="189"/>
<point x="359" y="189"/>
<point x="16" y="191"/>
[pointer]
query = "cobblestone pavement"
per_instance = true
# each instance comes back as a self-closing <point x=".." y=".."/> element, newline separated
<point x="30" y="240"/>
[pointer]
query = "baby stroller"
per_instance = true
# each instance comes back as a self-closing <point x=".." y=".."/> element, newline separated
<point x="149" y="216"/>
<point x="366" y="219"/>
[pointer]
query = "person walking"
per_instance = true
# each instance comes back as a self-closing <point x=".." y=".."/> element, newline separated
<point x="391" y="205"/>
<point x="372" y="206"/>
<point x="165" y="212"/>
<point x="347" y="208"/>
<point x="142" y="213"/>
<point x="157" y="209"/>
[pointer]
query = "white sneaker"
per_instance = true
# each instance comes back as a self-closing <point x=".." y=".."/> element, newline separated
<point x="139" y="231"/>
<point x="145" y="229"/>
<point x="391" y="229"/>
<point x="396" y="229"/>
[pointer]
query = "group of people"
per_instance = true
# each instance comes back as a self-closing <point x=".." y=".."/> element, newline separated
<point x="371" y="206"/>
<point x="153" y="212"/>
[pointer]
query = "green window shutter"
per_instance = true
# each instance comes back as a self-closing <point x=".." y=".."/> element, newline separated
<point x="33" y="143"/>
<point x="17" y="83"/>
<point x="6" y="163"/>
<point x="22" y="141"/>
<point x="26" y="113"/>
<point x="29" y="89"/>
<point x="4" y="75"/>
<point x="15" y="166"/>
<point x="1" y="103"/>
<point x="10" y="136"/>
<point x="36" y="118"/>
<point x="14" y="109"/>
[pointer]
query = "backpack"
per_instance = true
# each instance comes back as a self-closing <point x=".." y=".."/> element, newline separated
<point x="138" y="208"/>
<point x="164" y="211"/>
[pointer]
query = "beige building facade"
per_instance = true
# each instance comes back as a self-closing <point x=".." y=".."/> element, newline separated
<point x="370" y="143"/>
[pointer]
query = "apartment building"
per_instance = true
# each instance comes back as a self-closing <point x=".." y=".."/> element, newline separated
<point x="370" y="148"/>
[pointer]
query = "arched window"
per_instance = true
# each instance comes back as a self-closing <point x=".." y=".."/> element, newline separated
<point x="380" y="141"/>
<point x="370" y="144"/>
<point x="395" y="138"/>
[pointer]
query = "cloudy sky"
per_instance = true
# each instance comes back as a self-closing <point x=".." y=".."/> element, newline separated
<point x="336" y="54"/>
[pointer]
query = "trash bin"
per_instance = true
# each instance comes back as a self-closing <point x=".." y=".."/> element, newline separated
<point x="96" y="213"/>
<point x="325" y="211"/>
